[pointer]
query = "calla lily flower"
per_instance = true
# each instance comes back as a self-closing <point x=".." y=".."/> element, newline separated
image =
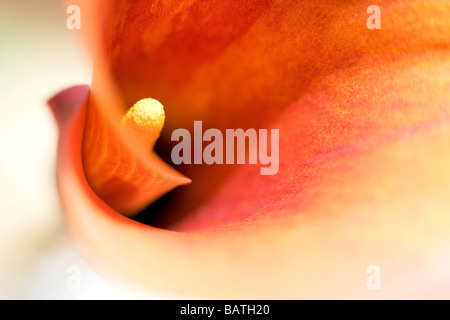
<point x="363" y="119"/>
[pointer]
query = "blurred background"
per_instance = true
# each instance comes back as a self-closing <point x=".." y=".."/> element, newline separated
<point x="40" y="56"/>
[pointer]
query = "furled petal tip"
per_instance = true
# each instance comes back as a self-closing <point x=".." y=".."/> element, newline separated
<point x="67" y="102"/>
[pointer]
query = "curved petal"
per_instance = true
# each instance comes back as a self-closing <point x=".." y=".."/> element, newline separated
<point x="374" y="202"/>
<point x="364" y="148"/>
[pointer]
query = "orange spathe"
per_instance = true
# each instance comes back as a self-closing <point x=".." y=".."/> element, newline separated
<point x="363" y="117"/>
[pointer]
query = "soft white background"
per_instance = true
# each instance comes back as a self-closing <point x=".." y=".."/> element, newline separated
<point x="39" y="56"/>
